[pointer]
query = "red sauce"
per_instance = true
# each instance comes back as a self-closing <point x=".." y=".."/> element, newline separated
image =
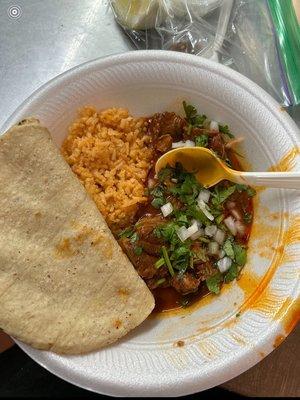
<point x="167" y="298"/>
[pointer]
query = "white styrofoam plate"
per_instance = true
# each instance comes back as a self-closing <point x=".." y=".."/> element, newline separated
<point x="224" y="335"/>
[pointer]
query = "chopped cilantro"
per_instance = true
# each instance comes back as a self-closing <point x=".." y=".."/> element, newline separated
<point x="164" y="173"/>
<point x="134" y="237"/>
<point x="138" y="250"/>
<point x="248" y="217"/>
<point x="225" y="129"/>
<point x="250" y="191"/>
<point x="167" y="260"/>
<point x="213" y="283"/>
<point x="158" y="196"/>
<point x="235" y="251"/>
<point x="194" y="212"/>
<point x="166" y="231"/>
<point x="199" y="120"/>
<point x="201" y="141"/>
<point x="192" y="116"/>
<point x="240" y="254"/>
<point x="222" y="194"/>
<point x="159" y="263"/>
<point x="190" y="111"/>
<point x="228" y="248"/>
<point x="180" y="251"/>
<point x="232" y="273"/>
<point x="181" y="256"/>
<point x="126" y="233"/>
<point x="219" y="219"/>
<point x="187" y="188"/>
<point x="160" y="281"/>
<point x="157" y="202"/>
<point x="181" y="218"/>
<point x="238" y="314"/>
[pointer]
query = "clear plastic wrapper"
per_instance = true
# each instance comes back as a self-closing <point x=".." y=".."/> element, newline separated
<point x="260" y="39"/>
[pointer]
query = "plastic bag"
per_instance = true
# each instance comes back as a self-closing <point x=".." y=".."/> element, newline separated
<point x="260" y="39"/>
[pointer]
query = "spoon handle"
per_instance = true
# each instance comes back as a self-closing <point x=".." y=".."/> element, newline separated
<point x="283" y="180"/>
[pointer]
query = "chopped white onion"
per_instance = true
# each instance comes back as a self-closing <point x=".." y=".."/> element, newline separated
<point x="236" y="214"/>
<point x="210" y="230"/>
<point x="219" y="236"/>
<point x="213" y="248"/>
<point x="182" y="233"/>
<point x="174" y="180"/>
<point x="199" y="223"/>
<point x="192" y="229"/>
<point x="230" y="223"/>
<point x="176" y="145"/>
<point x="214" y="126"/>
<point x="187" y="143"/>
<point x="204" y="195"/>
<point x="196" y="235"/>
<point x="224" y="264"/>
<point x="166" y="209"/>
<point x="203" y="208"/>
<point x="240" y="227"/>
<point x="222" y="253"/>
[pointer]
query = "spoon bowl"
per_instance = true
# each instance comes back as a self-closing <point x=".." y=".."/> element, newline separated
<point x="210" y="170"/>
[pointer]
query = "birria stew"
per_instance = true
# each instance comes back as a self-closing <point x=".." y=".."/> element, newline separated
<point x="187" y="241"/>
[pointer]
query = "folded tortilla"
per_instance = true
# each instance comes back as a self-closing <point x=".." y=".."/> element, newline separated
<point x="65" y="284"/>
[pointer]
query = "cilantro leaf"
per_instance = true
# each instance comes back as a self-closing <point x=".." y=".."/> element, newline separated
<point x="201" y="141"/>
<point x="240" y="254"/>
<point x="199" y="120"/>
<point x="138" y="250"/>
<point x="180" y="251"/>
<point x="181" y="217"/>
<point x="190" y="111"/>
<point x="213" y="283"/>
<point x="232" y="273"/>
<point x="187" y="188"/>
<point x="134" y="237"/>
<point x="166" y="231"/>
<point x="192" y="116"/>
<point x="225" y="129"/>
<point x="194" y="212"/>
<point x="126" y="233"/>
<point x="158" y="196"/>
<point x="222" y="194"/>
<point x="228" y="248"/>
<point x="250" y="191"/>
<point x="157" y="202"/>
<point x="219" y="219"/>
<point x="164" y="173"/>
<point x="160" y="281"/>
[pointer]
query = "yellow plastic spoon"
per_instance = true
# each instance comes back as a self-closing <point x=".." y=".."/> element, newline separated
<point x="210" y="170"/>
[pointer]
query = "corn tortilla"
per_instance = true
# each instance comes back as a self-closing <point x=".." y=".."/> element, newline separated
<point x="65" y="284"/>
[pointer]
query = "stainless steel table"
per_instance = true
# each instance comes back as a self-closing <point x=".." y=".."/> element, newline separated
<point x="40" y="39"/>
